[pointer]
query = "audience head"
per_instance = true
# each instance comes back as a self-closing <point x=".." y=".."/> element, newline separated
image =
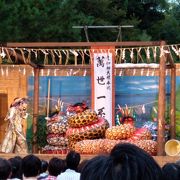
<point x="5" y="169"/>
<point x="131" y="162"/>
<point x="178" y="162"/>
<point x="56" y="166"/>
<point x="72" y="160"/>
<point x="171" y="171"/>
<point x="31" y="166"/>
<point x="16" y="164"/>
<point x="44" y="166"/>
<point x="125" y="162"/>
<point x="81" y="165"/>
<point x="93" y="168"/>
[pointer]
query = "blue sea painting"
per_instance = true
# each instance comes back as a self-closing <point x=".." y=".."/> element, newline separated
<point x="138" y="93"/>
<point x="133" y="91"/>
<point x="70" y="89"/>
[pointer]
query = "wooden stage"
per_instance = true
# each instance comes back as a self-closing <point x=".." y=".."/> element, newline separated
<point x="160" y="159"/>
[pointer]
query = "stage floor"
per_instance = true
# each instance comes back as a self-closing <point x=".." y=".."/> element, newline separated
<point x="160" y="159"/>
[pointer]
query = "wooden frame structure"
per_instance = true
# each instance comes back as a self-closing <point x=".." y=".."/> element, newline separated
<point x="166" y="61"/>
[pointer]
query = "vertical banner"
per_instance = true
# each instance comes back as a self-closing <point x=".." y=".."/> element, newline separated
<point x="102" y="73"/>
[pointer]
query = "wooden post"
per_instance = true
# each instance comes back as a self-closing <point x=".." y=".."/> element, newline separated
<point x="161" y="104"/>
<point x="173" y="104"/>
<point x="35" y="109"/>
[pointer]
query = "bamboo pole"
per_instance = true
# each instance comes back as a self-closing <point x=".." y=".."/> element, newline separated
<point x="173" y="104"/>
<point x="161" y="104"/>
<point x="48" y="98"/>
<point x="35" y="109"/>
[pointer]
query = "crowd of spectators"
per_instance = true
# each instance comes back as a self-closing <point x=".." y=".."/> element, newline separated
<point x="125" y="162"/>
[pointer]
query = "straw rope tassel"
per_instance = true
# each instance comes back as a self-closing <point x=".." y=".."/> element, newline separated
<point x="0" y="59"/>
<point x="82" y="56"/>
<point x="23" y="57"/>
<point x="67" y="56"/>
<point x="120" y="56"/>
<point x="139" y="55"/>
<point x="9" y="60"/>
<point x="29" y="56"/>
<point x="53" y="57"/>
<point x="60" y="57"/>
<point x="15" y="55"/>
<point x="85" y="52"/>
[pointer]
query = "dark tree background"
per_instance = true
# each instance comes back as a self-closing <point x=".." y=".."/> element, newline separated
<point x="52" y="20"/>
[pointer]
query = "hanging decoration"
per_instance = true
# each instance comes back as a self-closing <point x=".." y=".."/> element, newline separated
<point x="134" y="55"/>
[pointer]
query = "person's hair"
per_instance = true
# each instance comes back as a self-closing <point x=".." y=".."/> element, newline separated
<point x="56" y="166"/>
<point x="72" y="160"/>
<point x="16" y="164"/>
<point x="82" y="164"/>
<point x="171" y="171"/>
<point x="44" y="166"/>
<point x="178" y="162"/>
<point x="31" y="166"/>
<point x="125" y="162"/>
<point x="93" y="168"/>
<point x="5" y="168"/>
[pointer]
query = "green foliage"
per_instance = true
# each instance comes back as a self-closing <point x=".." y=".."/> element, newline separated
<point x="41" y="131"/>
<point x="52" y="20"/>
<point x="178" y="112"/>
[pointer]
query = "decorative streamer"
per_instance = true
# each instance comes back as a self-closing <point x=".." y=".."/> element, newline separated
<point x="32" y="72"/>
<point x="29" y="56"/>
<point x="23" y="57"/>
<point x="9" y="60"/>
<point x="24" y="71"/>
<point x="42" y="72"/>
<point x="58" y="53"/>
<point x="85" y="72"/>
<point x="123" y="53"/>
<point x="81" y="52"/>
<point x="14" y="54"/>
<point x="74" y="73"/>
<point x="3" y="54"/>
<point x="154" y="53"/>
<point x="120" y="72"/>
<point x="75" y="56"/>
<point x="35" y="53"/>
<point x="167" y="72"/>
<point x="139" y="57"/>
<point x="148" y="54"/>
<point x="45" y="56"/>
<point x="136" y="54"/>
<point x="134" y="72"/>
<point x="19" y="69"/>
<point x="2" y="71"/>
<point x="162" y="51"/>
<point x="175" y="49"/>
<point x="147" y="73"/>
<point x="138" y="105"/>
<point x="55" y="72"/>
<point x="132" y="54"/>
<point x="70" y="72"/>
<point x="53" y="57"/>
<point x="67" y="56"/>
<point x="153" y="71"/>
<point x="48" y="72"/>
